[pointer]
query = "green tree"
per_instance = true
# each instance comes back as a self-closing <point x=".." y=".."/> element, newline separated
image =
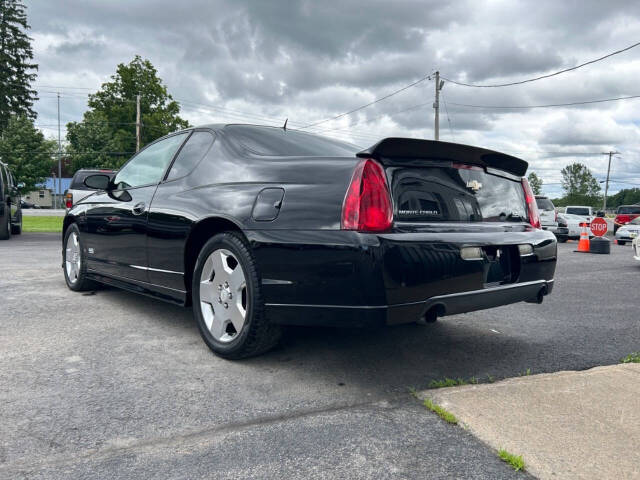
<point x="580" y="186"/>
<point x="16" y="69"/>
<point x="93" y="143"/>
<point x="536" y="183"/>
<point x="109" y="124"/>
<point x="26" y="151"/>
<point x="626" y="196"/>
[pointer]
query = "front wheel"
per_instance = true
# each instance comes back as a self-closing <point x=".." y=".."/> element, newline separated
<point x="621" y="242"/>
<point x="227" y="299"/>
<point x="73" y="261"/>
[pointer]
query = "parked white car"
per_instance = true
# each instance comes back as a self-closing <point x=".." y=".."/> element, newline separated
<point x="573" y="224"/>
<point x="628" y="233"/>
<point x="547" y="212"/>
<point x="581" y="210"/>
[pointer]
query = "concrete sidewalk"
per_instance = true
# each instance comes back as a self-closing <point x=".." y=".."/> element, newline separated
<point x="582" y="424"/>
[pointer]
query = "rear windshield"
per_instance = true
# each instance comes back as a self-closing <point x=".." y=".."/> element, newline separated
<point x="277" y="142"/>
<point x="77" y="183"/>
<point x="629" y="210"/>
<point x="544" y="204"/>
<point x="452" y="194"/>
<point x="578" y="211"/>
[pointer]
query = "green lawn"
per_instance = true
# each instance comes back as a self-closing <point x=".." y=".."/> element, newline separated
<point x="42" y="224"/>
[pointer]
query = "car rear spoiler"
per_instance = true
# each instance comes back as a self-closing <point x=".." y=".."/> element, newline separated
<point x="411" y="148"/>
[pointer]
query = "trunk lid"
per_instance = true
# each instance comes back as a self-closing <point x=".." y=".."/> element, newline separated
<point x="451" y="187"/>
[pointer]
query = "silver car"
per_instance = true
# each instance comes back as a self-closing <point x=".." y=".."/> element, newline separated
<point x="78" y="190"/>
<point x="628" y="232"/>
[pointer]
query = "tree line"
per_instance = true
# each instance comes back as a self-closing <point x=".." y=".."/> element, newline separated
<point x="580" y="187"/>
<point x="106" y="135"/>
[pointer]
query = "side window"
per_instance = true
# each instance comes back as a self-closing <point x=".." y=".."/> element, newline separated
<point x="148" y="165"/>
<point x="192" y="152"/>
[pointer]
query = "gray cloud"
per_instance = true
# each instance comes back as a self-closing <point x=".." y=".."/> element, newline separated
<point x="309" y="60"/>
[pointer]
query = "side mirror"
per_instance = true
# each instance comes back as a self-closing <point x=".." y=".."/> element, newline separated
<point x="20" y="185"/>
<point x="98" y="182"/>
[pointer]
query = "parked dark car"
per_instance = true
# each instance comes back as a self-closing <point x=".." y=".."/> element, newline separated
<point x="10" y="211"/>
<point x="25" y="204"/>
<point x="624" y="215"/>
<point x="259" y="227"/>
<point x="77" y="189"/>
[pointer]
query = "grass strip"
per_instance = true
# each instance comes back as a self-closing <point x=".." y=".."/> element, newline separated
<point x="441" y="412"/>
<point x="631" y="358"/>
<point x="42" y="224"/>
<point x="516" y="461"/>
<point x="452" y="382"/>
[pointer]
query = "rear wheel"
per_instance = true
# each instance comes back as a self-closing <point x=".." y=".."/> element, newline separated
<point x="227" y="299"/>
<point x="621" y="242"/>
<point x="74" y="262"/>
<point x="562" y="239"/>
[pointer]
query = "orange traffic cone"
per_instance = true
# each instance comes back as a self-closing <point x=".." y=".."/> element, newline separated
<point x="583" y="244"/>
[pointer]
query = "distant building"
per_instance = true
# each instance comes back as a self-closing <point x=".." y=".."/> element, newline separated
<point x="44" y="196"/>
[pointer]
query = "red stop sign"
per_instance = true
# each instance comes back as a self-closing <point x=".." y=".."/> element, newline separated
<point x="598" y="226"/>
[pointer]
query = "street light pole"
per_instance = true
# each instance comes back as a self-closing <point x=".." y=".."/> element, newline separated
<point x="57" y="203"/>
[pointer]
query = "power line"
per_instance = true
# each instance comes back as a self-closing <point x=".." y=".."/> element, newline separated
<point x="426" y="77"/>
<point x="447" y="112"/>
<point x="544" y="76"/>
<point x="515" y="107"/>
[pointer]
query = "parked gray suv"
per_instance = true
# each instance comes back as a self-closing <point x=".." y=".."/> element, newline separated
<point x="10" y="211"/>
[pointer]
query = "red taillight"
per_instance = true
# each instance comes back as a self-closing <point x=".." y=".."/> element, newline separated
<point x="367" y="205"/>
<point x="622" y="219"/>
<point x="534" y="217"/>
<point x="68" y="200"/>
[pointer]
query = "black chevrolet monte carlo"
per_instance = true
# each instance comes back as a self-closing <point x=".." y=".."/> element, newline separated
<point x="259" y="227"/>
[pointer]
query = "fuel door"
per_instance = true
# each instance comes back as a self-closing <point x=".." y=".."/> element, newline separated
<point x="267" y="205"/>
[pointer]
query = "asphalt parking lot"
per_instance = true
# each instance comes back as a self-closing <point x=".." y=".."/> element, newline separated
<point x="117" y="385"/>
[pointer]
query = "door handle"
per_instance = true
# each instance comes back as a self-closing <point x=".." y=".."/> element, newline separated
<point x="138" y="208"/>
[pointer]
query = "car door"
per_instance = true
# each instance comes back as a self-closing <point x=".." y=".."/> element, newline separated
<point x="115" y="229"/>
<point x="169" y="220"/>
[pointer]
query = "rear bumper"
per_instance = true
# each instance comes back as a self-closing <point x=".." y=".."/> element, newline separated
<point x="341" y="278"/>
<point x="378" y="315"/>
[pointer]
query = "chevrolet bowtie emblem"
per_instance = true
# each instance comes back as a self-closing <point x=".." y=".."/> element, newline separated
<point x="474" y="185"/>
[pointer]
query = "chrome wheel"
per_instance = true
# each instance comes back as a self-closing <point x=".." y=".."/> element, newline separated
<point x="223" y="295"/>
<point x="72" y="257"/>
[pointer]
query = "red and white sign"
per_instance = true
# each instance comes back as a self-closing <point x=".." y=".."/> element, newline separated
<point x="598" y="226"/>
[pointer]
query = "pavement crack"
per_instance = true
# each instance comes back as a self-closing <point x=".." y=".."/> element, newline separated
<point x="172" y="439"/>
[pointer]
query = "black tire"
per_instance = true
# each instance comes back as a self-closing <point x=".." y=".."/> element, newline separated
<point x="257" y="334"/>
<point x="17" y="229"/>
<point x="82" y="283"/>
<point x="5" y="224"/>
<point x="621" y="242"/>
<point x="562" y="239"/>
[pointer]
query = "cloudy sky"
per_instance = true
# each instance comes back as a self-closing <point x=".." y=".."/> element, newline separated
<point x="263" y="61"/>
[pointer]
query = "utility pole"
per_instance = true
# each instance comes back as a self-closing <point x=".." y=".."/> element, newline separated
<point x="436" y="106"/>
<point x="137" y="122"/>
<point x="58" y="190"/>
<point x="606" y="184"/>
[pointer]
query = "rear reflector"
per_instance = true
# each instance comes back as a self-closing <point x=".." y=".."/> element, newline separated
<point x="471" y="253"/>
<point x="534" y="217"/>
<point x="367" y="205"/>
